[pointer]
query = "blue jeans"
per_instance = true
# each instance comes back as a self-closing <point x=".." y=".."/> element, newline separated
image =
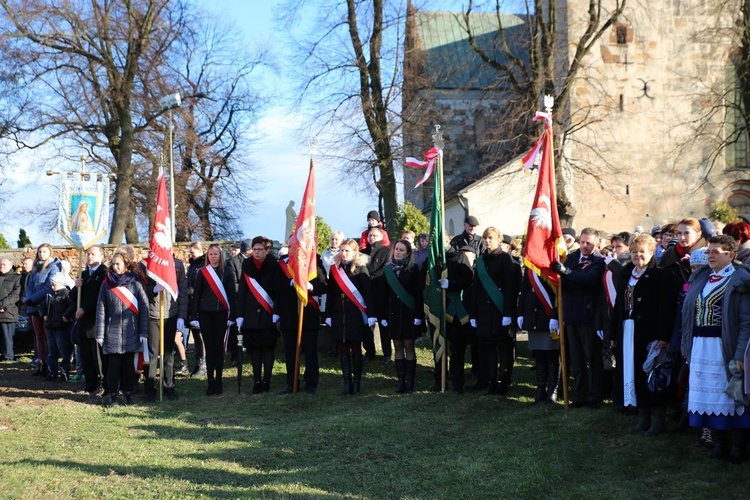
<point x="59" y="346"/>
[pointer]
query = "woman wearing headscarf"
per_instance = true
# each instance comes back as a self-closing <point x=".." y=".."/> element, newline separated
<point x="399" y="306"/>
<point x="643" y="316"/>
<point x="715" y="334"/>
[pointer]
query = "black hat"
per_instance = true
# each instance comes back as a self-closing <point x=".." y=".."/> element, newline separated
<point x="507" y="239"/>
<point x="373" y="214"/>
<point x="471" y="220"/>
<point x="569" y="231"/>
<point x="236" y="244"/>
<point x="246" y="245"/>
<point x="655" y="230"/>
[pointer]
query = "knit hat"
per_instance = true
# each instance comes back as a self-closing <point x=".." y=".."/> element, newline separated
<point x="699" y="257"/>
<point x="246" y="245"/>
<point x="373" y="214"/>
<point x="58" y="279"/>
<point x="655" y="230"/>
<point x="707" y="228"/>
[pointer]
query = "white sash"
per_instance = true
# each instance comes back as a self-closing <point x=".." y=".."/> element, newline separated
<point x="348" y="288"/>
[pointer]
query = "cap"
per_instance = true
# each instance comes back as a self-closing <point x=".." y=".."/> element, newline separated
<point x="246" y="245"/>
<point x="569" y="231"/>
<point x="699" y="257"/>
<point x="655" y="230"/>
<point x="471" y="220"/>
<point x="638" y="230"/>
<point x="707" y="228"/>
<point x="236" y="244"/>
<point x="507" y="239"/>
<point x="373" y="214"/>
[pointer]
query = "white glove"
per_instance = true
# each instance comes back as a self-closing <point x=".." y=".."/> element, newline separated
<point x="144" y="342"/>
<point x="275" y="318"/>
<point x="519" y="322"/>
<point x="600" y="334"/>
<point x="554" y="325"/>
<point x="309" y="287"/>
<point x="194" y="324"/>
<point x="473" y="323"/>
<point x="229" y="323"/>
<point x="180" y="323"/>
<point x="100" y="342"/>
<point x="371" y="322"/>
<point x="239" y="322"/>
<point x="417" y="321"/>
<point x="443" y="282"/>
<point x="384" y="322"/>
<point x="507" y="320"/>
<point x="328" y="321"/>
<point x="158" y="288"/>
<point x="291" y="282"/>
<point x="608" y="259"/>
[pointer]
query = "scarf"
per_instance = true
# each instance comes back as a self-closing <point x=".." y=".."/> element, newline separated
<point x="113" y="279"/>
<point x="398" y="265"/>
<point x="681" y="250"/>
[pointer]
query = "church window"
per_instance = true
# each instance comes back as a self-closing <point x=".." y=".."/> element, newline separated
<point x="622" y="35"/>
<point x="737" y="145"/>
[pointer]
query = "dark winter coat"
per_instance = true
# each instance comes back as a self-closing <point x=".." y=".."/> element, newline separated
<point x="119" y="328"/>
<point x="269" y="277"/>
<point x="387" y="305"/>
<point x="58" y="308"/>
<point x="39" y="285"/>
<point x="535" y="317"/>
<point x="504" y="273"/>
<point x="10" y="286"/>
<point x="91" y="285"/>
<point x="172" y="307"/>
<point x="205" y="300"/>
<point x="460" y="278"/>
<point x="473" y="240"/>
<point x="192" y="273"/>
<point x="582" y="289"/>
<point x="288" y="309"/>
<point x="379" y="254"/>
<point x="348" y="323"/>
<point x="235" y="264"/>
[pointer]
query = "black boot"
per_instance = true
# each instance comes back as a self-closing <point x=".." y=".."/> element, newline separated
<point x="720" y="448"/>
<point x="346" y="370"/>
<point x="541" y="381"/>
<point x="738" y="446"/>
<point x="657" y="421"/>
<point x="211" y="388"/>
<point x="219" y="385"/>
<point x="257" y="387"/>
<point x="401" y="374"/>
<point x="644" y="420"/>
<point x="357" y="373"/>
<point x="553" y="378"/>
<point x="41" y="369"/>
<point x="112" y="400"/>
<point x="411" y="371"/>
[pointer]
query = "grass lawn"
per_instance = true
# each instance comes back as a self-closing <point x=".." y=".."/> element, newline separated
<point x="375" y="445"/>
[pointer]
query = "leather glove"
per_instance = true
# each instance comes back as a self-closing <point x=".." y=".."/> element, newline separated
<point x="384" y="322"/>
<point x="275" y="318"/>
<point x="519" y="322"/>
<point x="239" y="322"/>
<point x="559" y="268"/>
<point x="443" y="282"/>
<point x="194" y="324"/>
<point x="507" y="320"/>
<point x="158" y="288"/>
<point x="371" y="322"/>
<point x="554" y="325"/>
<point x="417" y="322"/>
<point x="473" y="323"/>
<point x="328" y="321"/>
<point x="180" y="323"/>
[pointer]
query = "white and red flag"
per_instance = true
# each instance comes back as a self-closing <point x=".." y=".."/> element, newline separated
<point x="429" y="163"/>
<point x="160" y="262"/>
<point x="544" y="240"/>
<point x="303" y="248"/>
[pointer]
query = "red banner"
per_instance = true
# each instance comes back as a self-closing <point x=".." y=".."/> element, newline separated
<point x="303" y="262"/>
<point x="160" y="262"/>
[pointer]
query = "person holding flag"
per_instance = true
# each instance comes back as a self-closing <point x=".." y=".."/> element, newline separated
<point x="256" y="315"/>
<point x="121" y="325"/>
<point x="213" y="299"/>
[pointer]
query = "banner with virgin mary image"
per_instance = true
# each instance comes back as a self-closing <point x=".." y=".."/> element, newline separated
<point x="83" y="210"/>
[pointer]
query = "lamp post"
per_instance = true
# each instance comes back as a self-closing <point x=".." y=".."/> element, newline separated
<point x="168" y="103"/>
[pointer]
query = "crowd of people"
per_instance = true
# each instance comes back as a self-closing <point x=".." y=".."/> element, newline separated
<point x="657" y="322"/>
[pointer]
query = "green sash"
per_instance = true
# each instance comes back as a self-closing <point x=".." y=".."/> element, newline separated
<point x="455" y="308"/>
<point x="489" y="285"/>
<point x="399" y="289"/>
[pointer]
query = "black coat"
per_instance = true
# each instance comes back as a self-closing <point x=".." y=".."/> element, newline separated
<point x="504" y="273"/>
<point x="192" y="273"/>
<point x="205" y="300"/>
<point x="119" y="328"/>
<point x="389" y="307"/>
<point x="172" y="307"/>
<point x="287" y="306"/>
<point x="235" y="264"/>
<point x="10" y="289"/>
<point x="535" y="317"/>
<point x="91" y="284"/>
<point x="378" y="258"/>
<point x="58" y="306"/>
<point x="582" y="289"/>
<point x="473" y="240"/>
<point x="460" y="278"/>
<point x="348" y="323"/>
<point x="270" y="277"/>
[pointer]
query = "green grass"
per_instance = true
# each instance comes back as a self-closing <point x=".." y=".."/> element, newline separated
<point x="376" y="445"/>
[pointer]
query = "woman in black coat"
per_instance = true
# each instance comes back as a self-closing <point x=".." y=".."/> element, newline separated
<point x="211" y="307"/>
<point x="493" y="307"/>
<point x="347" y="310"/>
<point x="256" y="318"/>
<point x="399" y="305"/>
<point x="644" y="312"/>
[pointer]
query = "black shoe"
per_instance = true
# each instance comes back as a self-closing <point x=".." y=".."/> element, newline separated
<point x="387" y="361"/>
<point x="257" y="387"/>
<point x="286" y="390"/>
<point x="211" y="388"/>
<point x="219" y="387"/>
<point x="594" y="405"/>
<point x="170" y="394"/>
<point x="310" y="389"/>
<point x="128" y="399"/>
<point x="150" y="397"/>
<point x="112" y="402"/>
<point x="50" y="378"/>
<point x="266" y="386"/>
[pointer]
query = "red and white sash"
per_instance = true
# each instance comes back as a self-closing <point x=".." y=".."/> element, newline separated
<point x="609" y="288"/>
<point x="348" y="288"/>
<point x="127" y="298"/>
<point x="216" y="285"/>
<point x="260" y="294"/>
<point x="284" y="263"/>
<point x="540" y="291"/>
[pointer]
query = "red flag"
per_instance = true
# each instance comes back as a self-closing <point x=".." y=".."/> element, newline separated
<point x="544" y="241"/>
<point x="160" y="263"/>
<point x="303" y="262"/>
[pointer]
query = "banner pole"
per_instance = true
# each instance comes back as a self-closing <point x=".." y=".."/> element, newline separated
<point x="161" y="345"/>
<point x="295" y="386"/>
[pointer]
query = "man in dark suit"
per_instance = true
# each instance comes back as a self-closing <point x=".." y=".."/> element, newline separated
<point x="581" y="279"/>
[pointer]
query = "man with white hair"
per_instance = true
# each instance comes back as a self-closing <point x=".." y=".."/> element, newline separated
<point x="10" y="288"/>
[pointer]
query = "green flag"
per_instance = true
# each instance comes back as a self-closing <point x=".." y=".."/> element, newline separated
<point x="433" y="296"/>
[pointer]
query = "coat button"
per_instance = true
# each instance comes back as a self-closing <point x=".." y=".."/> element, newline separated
<point x="639" y="299"/>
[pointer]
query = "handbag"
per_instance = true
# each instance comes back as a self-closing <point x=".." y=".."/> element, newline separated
<point x="608" y="359"/>
<point x="659" y="368"/>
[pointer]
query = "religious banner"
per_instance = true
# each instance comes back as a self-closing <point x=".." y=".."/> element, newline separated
<point x="83" y="210"/>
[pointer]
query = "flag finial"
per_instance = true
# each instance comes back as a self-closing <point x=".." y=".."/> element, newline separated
<point x="312" y="145"/>
<point x="437" y="138"/>
<point x="549" y="103"/>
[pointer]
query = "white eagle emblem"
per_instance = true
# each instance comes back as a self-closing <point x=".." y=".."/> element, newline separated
<point x="162" y="234"/>
<point x="541" y="215"/>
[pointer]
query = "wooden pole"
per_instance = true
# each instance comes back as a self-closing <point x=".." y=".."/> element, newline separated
<point x="443" y="271"/>
<point x="161" y="345"/>
<point x="561" y="332"/>
<point x="295" y="386"/>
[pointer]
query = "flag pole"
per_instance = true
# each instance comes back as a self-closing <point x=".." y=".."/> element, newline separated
<point x="161" y="345"/>
<point x="438" y="140"/>
<point x="561" y="333"/>
<point x="301" y="309"/>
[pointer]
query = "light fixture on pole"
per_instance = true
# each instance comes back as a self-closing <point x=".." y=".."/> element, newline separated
<point x="168" y="103"/>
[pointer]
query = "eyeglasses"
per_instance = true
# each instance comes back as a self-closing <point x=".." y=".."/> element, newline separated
<point x="715" y="252"/>
<point x="259" y="249"/>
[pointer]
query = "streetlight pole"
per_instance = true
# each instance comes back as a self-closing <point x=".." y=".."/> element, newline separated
<point x="169" y="103"/>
